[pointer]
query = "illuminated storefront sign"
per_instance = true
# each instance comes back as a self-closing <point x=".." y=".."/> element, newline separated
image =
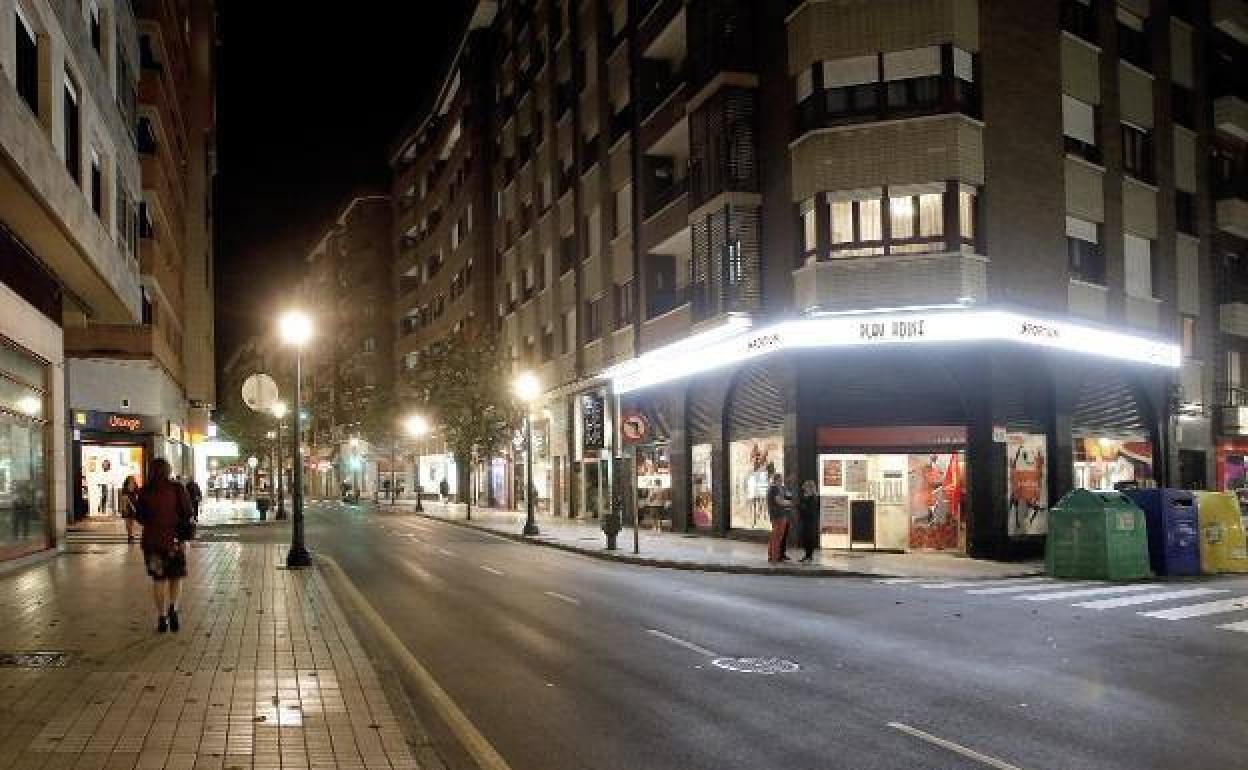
<point x="736" y="343"/>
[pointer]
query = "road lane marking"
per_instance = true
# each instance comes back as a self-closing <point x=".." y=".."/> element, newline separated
<point x="562" y="597"/>
<point x="956" y="748"/>
<point x="1128" y="601"/>
<point x="896" y="581"/>
<point x="444" y="552"/>
<point x="491" y="570"/>
<point x="687" y="645"/>
<point x="1081" y="592"/>
<point x="1200" y="610"/>
<point x="1016" y="589"/>
<point x="990" y="583"/>
<point x="1240" y="626"/>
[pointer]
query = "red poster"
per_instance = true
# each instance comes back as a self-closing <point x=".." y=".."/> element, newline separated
<point x="936" y="489"/>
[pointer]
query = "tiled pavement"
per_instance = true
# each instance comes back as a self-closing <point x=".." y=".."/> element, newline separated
<point x="266" y="672"/>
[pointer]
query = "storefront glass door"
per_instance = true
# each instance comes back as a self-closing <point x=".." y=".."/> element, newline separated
<point x="105" y="468"/>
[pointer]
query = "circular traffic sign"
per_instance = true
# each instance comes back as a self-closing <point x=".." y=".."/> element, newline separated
<point x="259" y="392"/>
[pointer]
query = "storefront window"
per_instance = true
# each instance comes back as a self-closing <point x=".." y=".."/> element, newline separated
<point x="753" y="462"/>
<point x="105" y="469"/>
<point x="1027" y="484"/>
<point x="654" y="483"/>
<point x="434" y="469"/>
<point x="23" y="472"/>
<point x="1112" y="463"/>
<point x="701" y="474"/>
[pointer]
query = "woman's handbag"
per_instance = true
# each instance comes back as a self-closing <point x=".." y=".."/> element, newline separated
<point x="186" y="522"/>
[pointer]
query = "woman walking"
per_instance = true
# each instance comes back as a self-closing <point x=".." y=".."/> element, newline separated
<point x="808" y="519"/>
<point x="165" y="512"/>
<point x="127" y="503"/>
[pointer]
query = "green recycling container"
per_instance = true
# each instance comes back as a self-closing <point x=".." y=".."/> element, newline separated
<point x="1097" y="535"/>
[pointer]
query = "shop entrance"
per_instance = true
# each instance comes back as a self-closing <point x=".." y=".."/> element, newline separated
<point x="1113" y="462"/>
<point x="654" y="485"/>
<point x="105" y="468"/>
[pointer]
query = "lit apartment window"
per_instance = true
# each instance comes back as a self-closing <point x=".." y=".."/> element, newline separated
<point x="809" y="226"/>
<point x="625" y="303"/>
<point x="966" y="215"/>
<point x="97" y="184"/>
<point x="916" y="223"/>
<point x="1138" y="266"/>
<point x="72" y="131"/>
<point x="857" y="227"/>
<point x="1079" y="121"/>
<point x="27" y="45"/>
<point x="913" y="217"/>
<point x="1137" y="152"/>
<point x="95" y="28"/>
<point x="1083" y="245"/>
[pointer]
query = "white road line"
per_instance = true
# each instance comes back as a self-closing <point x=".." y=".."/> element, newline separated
<point x="1023" y="588"/>
<point x="491" y="570"/>
<point x="1200" y="610"/>
<point x="1081" y="592"/>
<point x="1164" y="596"/>
<point x="562" y="597"/>
<point x="896" y="581"/>
<point x="954" y="747"/>
<point x="990" y="583"/>
<point x="445" y="552"/>
<point x="687" y="645"/>
<point x="1240" y="626"/>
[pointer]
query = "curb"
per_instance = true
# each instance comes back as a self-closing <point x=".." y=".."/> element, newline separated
<point x="731" y="569"/>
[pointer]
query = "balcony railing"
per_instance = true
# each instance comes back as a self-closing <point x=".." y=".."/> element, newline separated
<point x="658" y="90"/>
<point x="662" y="301"/>
<point x="1079" y="19"/>
<point x="661" y="197"/>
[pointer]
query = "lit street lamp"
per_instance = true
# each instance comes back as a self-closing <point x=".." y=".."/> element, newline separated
<point x="295" y="329"/>
<point x="527" y="389"/>
<point x="252" y="462"/>
<point x="416" y="427"/>
<point x="355" y="467"/>
<point x="279" y="411"/>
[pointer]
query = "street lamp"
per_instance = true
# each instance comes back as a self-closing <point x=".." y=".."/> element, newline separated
<point x="417" y="426"/>
<point x="527" y="389"/>
<point x="355" y="467"/>
<point x="295" y="329"/>
<point x="279" y="411"/>
<point x="252" y="462"/>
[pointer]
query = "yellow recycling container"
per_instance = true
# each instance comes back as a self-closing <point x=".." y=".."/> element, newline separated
<point x="1222" y="538"/>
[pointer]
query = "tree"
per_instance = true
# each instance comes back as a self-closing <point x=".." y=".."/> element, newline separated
<point x="244" y="427"/>
<point x="380" y="428"/>
<point x="464" y="387"/>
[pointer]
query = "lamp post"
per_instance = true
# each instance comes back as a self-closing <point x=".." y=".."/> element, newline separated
<point x="527" y="388"/>
<point x="279" y="411"/>
<point x="295" y="329"/>
<point x="355" y="467"/>
<point x="416" y="427"/>
<point x="252" y="462"/>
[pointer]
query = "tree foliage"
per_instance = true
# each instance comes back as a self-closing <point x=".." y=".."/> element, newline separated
<point x="465" y="391"/>
<point x="241" y="425"/>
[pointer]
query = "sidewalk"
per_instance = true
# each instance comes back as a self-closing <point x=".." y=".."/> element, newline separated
<point x="717" y="554"/>
<point x="266" y="672"/>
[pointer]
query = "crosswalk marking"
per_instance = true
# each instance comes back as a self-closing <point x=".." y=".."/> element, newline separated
<point x="1164" y="596"/>
<point x="1240" y="626"/>
<point x="1016" y="589"/>
<point x="1080" y="592"/>
<point x="988" y="583"/>
<point x="897" y="581"/>
<point x="1200" y="610"/>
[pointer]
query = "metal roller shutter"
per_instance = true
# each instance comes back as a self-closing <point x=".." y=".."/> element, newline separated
<point x="853" y="391"/>
<point x="702" y="415"/>
<point x="757" y="407"/>
<point x="1106" y="406"/>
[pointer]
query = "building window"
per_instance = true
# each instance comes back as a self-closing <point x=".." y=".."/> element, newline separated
<point x="1133" y="39"/>
<point x="548" y="343"/>
<point x="625" y="303"/>
<point x="1138" y="264"/>
<point x="97" y="184"/>
<point x="593" y="319"/>
<point x="1234" y="372"/>
<point x="73" y="131"/>
<point x="1187" y="335"/>
<point x="370" y="345"/>
<point x="857" y="227"/>
<point x="1079" y="18"/>
<point x="27" y="44"/>
<point x="1137" y="152"/>
<point x="966" y="215"/>
<point x="1185" y="212"/>
<point x="1079" y="122"/>
<point x="915" y="219"/>
<point x="809" y="227"/>
<point x="1083" y="244"/>
<point x="569" y="331"/>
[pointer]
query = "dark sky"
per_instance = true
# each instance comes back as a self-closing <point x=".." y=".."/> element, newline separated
<point x="311" y="95"/>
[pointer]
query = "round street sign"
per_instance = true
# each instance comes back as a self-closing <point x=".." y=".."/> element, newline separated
<point x="259" y="392"/>
<point x="633" y="428"/>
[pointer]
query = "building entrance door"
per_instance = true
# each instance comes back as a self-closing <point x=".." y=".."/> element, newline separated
<point x="105" y="468"/>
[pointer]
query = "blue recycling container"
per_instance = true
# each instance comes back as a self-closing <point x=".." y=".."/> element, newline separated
<point x="1173" y="529"/>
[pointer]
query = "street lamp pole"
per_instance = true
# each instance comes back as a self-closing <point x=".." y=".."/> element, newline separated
<point x="527" y="389"/>
<point x="279" y="411"/>
<point x="296" y="329"/>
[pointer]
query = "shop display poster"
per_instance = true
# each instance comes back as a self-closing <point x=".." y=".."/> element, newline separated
<point x="1027" y="484"/>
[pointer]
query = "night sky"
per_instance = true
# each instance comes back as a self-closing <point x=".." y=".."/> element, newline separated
<point x="311" y="96"/>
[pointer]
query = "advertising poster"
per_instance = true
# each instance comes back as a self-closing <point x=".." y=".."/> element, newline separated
<point x="752" y="463"/>
<point x="936" y="488"/>
<point x="703" y="502"/>
<point x="856" y="475"/>
<point x="1027" y="484"/>
<point x="833" y="472"/>
<point x="834" y="514"/>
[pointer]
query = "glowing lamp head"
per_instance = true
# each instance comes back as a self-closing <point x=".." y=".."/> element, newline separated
<point x="527" y="387"/>
<point x="279" y="409"/>
<point x="416" y="425"/>
<point x="30" y="406"/>
<point x="294" y="327"/>
<point x="252" y="462"/>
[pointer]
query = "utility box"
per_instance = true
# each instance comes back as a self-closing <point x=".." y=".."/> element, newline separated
<point x="1097" y="535"/>
<point x="1223" y="546"/>
<point x="1173" y="530"/>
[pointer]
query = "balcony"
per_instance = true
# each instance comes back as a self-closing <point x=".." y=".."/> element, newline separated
<point x="660" y="302"/>
<point x="154" y="265"/>
<point x="132" y="341"/>
<point x="1230" y="16"/>
<point x="660" y="84"/>
<point x="890" y="281"/>
<point x="660" y="198"/>
<point x="1230" y="116"/>
<point x="1231" y="212"/>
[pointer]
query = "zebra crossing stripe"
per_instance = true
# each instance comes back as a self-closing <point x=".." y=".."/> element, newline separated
<point x="1103" y="590"/>
<point x="1029" y="582"/>
<point x="1200" y="610"/>
<point x="1016" y="589"/>
<point x="1240" y="626"/>
<point x="1164" y="596"/>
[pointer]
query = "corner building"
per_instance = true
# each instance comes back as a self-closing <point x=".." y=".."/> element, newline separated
<point x="947" y="259"/>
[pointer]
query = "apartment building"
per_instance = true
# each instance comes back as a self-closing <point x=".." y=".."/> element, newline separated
<point x="947" y="259"/>
<point x="350" y="364"/>
<point x="93" y="325"/>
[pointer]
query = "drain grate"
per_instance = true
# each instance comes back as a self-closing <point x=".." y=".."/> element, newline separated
<point x="757" y="665"/>
<point x="34" y="659"/>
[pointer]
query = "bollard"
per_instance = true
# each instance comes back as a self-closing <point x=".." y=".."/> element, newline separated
<point x="611" y="528"/>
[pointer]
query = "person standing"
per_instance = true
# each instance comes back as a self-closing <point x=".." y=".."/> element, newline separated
<point x="127" y="502"/>
<point x="779" y="506"/>
<point x="808" y="519"/>
<point x="444" y="490"/>
<point x="165" y="512"/>
<point x="197" y="497"/>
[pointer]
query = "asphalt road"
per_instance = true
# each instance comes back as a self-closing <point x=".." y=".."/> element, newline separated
<point x="570" y="663"/>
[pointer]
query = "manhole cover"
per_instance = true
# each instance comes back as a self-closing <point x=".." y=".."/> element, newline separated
<point x="34" y="659"/>
<point x="757" y="665"/>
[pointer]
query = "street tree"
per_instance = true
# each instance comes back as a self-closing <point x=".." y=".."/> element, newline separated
<point x="379" y="426"/>
<point x="463" y="386"/>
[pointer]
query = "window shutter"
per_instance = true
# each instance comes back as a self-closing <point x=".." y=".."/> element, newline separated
<point x="1078" y="120"/>
<point x="1138" y="258"/>
<point x="851" y="72"/>
<point x="914" y="63"/>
